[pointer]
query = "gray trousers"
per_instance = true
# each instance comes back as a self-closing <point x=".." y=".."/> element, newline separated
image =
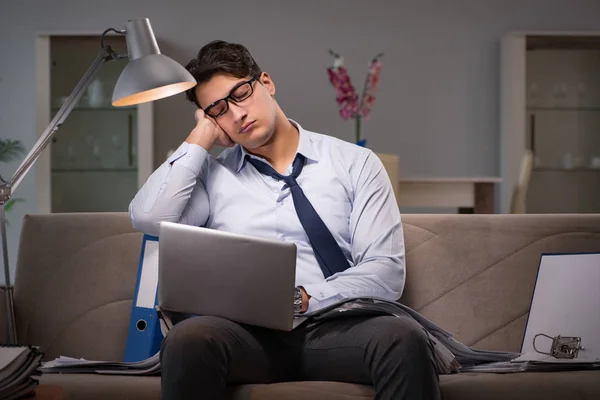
<point x="201" y="356"/>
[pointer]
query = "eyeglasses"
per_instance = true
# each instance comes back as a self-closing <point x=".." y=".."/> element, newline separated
<point x="239" y="93"/>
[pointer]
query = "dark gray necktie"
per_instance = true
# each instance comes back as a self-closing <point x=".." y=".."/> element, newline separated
<point x="329" y="255"/>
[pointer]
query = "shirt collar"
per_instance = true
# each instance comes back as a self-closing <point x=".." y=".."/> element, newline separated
<point x="306" y="147"/>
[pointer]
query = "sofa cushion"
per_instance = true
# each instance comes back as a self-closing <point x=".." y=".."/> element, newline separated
<point x="473" y="275"/>
<point x="97" y="387"/>
<point x="581" y="385"/>
<point x="74" y="284"/>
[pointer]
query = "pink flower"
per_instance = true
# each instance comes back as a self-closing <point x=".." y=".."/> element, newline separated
<point x="371" y="86"/>
<point x="350" y="106"/>
<point x="346" y="96"/>
<point x="374" y="72"/>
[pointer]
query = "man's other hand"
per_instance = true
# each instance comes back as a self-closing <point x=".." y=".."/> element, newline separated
<point x="305" y="299"/>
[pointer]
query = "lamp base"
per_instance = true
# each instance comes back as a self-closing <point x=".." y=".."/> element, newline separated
<point x="8" y="287"/>
<point x="10" y="309"/>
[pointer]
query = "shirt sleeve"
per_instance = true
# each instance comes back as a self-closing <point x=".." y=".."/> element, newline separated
<point x="175" y="192"/>
<point x="377" y="243"/>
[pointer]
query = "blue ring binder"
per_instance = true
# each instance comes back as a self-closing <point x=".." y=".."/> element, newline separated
<point x="144" y="335"/>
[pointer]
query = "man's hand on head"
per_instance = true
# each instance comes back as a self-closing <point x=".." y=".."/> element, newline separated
<point x="207" y="132"/>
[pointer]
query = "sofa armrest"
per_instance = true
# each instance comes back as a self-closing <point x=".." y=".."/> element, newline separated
<point x="3" y="316"/>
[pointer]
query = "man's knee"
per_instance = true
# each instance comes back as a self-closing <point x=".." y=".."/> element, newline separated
<point x="401" y="336"/>
<point x="195" y="333"/>
<point x="402" y="364"/>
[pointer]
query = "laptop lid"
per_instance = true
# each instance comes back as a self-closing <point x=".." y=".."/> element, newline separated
<point x="242" y="278"/>
<point x="566" y="302"/>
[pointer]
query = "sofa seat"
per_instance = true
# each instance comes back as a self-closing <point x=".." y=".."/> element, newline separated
<point x="580" y="385"/>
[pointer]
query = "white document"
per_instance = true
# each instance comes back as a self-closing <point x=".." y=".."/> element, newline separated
<point x="149" y="280"/>
<point x="566" y="302"/>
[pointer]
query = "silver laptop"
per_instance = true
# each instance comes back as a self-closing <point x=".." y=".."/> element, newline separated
<point x="241" y="278"/>
<point x="565" y="303"/>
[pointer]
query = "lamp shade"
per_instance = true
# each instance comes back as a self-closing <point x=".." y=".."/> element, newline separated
<point x="149" y="75"/>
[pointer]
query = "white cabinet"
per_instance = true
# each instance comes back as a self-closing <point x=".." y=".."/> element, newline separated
<point x="550" y="104"/>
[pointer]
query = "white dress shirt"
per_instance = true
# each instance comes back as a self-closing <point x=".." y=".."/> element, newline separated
<point x="346" y="184"/>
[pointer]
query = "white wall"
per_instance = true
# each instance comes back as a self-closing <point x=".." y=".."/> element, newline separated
<point x="439" y="97"/>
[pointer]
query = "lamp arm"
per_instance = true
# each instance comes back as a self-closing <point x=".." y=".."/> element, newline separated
<point x="8" y="187"/>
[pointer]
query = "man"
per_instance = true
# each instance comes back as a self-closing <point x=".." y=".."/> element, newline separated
<point x="272" y="174"/>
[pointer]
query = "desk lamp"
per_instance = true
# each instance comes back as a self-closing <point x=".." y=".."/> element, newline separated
<point x="148" y="76"/>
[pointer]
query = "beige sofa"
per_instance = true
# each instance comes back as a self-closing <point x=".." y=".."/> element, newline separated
<point x="471" y="274"/>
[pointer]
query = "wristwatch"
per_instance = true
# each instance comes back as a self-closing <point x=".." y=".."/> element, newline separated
<point x="297" y="300"/>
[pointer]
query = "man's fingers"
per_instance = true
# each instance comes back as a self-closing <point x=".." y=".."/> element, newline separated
<point x="202" y="120"/>
<point x="199" y="114"/>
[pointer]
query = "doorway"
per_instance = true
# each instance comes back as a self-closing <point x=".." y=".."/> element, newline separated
<point x="101" y="154"/>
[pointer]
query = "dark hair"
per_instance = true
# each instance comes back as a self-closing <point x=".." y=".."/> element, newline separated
<point x="220" y="56"/>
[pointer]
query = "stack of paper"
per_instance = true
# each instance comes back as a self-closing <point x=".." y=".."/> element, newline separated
<point x="529" y="362"/>
<point x="449" y="354"/>
<point x="18" y="369"/>
<point x="65" y="365"/>
<point x="445" y="361"/>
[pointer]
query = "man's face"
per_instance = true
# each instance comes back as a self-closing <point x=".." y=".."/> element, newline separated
<point x="249" y="122"/>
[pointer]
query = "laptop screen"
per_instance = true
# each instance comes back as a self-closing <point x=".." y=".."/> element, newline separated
<point x="565" y="302"/>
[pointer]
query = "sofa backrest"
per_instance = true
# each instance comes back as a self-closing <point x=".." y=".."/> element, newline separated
<point x="473" y="275"/>
<point x="74" y="283"/>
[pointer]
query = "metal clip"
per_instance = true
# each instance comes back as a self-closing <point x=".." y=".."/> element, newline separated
<point x="562" y="346"/>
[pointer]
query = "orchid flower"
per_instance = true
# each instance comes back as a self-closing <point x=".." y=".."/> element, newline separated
<point x="368" y="98"/>
<point x="346" y="96"/>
